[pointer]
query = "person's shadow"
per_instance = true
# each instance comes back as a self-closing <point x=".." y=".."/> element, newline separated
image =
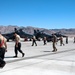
<point x="9" y="57"/>
<point x="46" y="51"/>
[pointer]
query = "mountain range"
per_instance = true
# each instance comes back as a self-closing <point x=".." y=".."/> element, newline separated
<point x="30" y="30"/>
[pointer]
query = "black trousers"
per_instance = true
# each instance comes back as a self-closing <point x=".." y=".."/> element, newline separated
<point x="18" y="49"/>
<point x="34" y="41"/>
<point x="44" y="42"/>
<point x="2" y="53"/>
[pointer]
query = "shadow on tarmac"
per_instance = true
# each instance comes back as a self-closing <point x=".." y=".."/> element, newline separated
<point x="9" y="57"/>
<point x="37" y="56"/>
<point x="47" y="51"/>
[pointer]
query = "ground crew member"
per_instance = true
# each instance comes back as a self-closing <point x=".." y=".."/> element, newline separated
<point x="18" y="45"/>
<point x="66" y="39"/>
<point x="61" y="41"/>
<point x="34" y="41"/>
<point x="3" y="49"/>
<point x="74" y="39"/>
<point x="44" y="40"/>
<point x="54" y="40"/>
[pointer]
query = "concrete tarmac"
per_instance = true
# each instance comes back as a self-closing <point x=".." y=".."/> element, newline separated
<point x="40" y="60"/>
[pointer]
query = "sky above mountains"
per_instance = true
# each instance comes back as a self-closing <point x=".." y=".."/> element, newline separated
<point x="38" y="13"/>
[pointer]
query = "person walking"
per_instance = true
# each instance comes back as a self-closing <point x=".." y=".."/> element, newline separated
<point x="74" y="39"/>
<point x="34" y="41"/>
<point x="61" y="41"/>
<point x="66" y="39"/>
<point x="54" y="40"/>
<point x="45" y="40"/>
<point x="3" y="49"/>
<point x="18" y="45"/>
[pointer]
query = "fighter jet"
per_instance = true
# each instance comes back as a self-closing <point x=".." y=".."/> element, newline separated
<point x="22" y="33"/>
<point x="10" y="36"/>
<point x="40" y="34"/>
<point x="59" y="34"/>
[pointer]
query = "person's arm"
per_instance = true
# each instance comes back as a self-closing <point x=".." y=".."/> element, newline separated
<point x="5" y="46"/>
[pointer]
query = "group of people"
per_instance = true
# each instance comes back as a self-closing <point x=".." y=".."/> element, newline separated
<point x="54" y="41"/>
<point x="3" y="48"/>
<point x="34" y="41"/>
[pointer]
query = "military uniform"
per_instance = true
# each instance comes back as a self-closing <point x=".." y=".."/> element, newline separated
<point x="54" y="40"/>
<point x="61" y="41"/>
<point x="44" y="40"/>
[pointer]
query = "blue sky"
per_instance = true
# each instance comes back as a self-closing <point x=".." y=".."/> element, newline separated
<point x="48" y="14"/>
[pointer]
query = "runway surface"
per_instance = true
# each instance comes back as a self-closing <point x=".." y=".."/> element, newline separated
<point x="40" y="60"/>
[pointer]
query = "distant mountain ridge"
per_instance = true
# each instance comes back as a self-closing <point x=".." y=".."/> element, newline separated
<point x="30" y="30"/>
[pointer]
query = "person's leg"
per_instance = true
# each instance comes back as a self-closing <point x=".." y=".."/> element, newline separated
<point x="19" y="49"/>
<point x="44" y="42"/>
<point x="54" y="47"/>
<point x="33" y="43"/>
<point x="16" y="52"/>
<point x="2" y="63"/>
<point x="2" y="53"/>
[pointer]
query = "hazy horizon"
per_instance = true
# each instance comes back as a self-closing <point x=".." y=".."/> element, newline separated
<point x="35" y="27"/>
